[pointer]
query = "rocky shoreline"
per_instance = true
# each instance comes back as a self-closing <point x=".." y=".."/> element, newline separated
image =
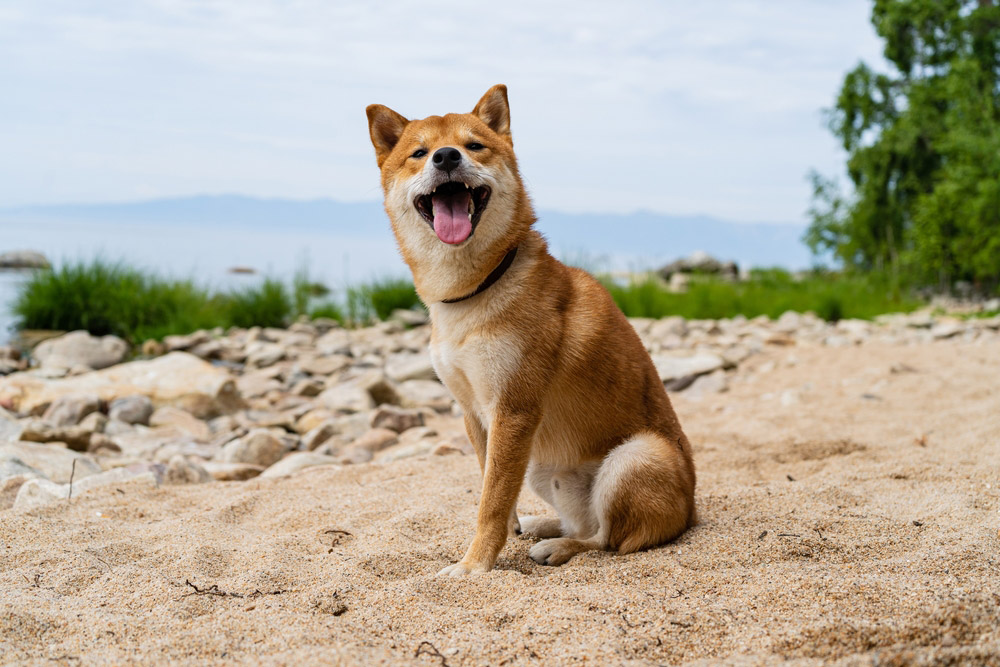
<point x="235" y="405"/>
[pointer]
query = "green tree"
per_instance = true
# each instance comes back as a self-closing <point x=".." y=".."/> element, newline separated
<point x="923" y="145"/>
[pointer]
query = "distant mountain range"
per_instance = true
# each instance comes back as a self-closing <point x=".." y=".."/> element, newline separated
<point x="599" y="240"/>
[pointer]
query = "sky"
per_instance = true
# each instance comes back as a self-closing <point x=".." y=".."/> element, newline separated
<point x="674" y="107"/>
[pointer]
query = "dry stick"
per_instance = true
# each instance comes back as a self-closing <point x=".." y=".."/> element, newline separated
<point x="432" y="651"/>
<point x="72" y="473"/>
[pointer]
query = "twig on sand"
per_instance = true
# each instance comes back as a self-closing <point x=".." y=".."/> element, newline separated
<point x="427" y="648"/>
<point x="72" y="473"/>
<point x="218" y="592"/>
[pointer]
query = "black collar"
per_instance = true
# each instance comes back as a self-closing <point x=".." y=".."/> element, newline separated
<point x="494" y="276"/>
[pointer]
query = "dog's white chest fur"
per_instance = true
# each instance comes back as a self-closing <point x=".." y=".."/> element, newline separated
<point x="477" y="370"/>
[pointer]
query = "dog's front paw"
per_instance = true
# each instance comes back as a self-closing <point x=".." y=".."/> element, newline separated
<point x="553" y="552"/>
<point x="461" y="568"/>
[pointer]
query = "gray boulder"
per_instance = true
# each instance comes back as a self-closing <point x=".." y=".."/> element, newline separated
<point x="23" y="259"/>
<point x="79" y="348"/>
<point x="134" y="409"/>
<point x="70" y="410"/>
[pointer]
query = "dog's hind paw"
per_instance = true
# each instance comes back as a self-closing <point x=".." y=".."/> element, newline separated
<point x="557" y="551"/>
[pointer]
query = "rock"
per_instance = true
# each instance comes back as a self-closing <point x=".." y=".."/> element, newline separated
<point x="376" y="440"/>
<point x="672" y="368"/>
<point x="355" y="456"/>
<point x="347" y="397"/>
<point x="312" y="419"/>
<point x="324" y="365"/>
<point x="74" y="437"/>
<point x="679" y="283"/>
<point x="262" y="355"/>
<point x="257" y="384"/>
<point x="134" y="409"/>
<point x="23" y="259"/>
<point x="181" y="470"/>
<point x="700" y="262"/>
<point x="319" y="435"/>
<point x="408" y="366"/>
<point x="152" y="348"/>
<point x="69" y="410"/>
<point x="55" y="463"/>
<point x="39" y="492"/>
<point x="14" y="467"/>
<point x="10" y="427"/>
<point x="79" y="348"/>
<point x="177" y="379"/>
<point x="297" y="461"/>
<point x="178" y="343"/>
<point x="406" y="451"/>
<point x="95" y="422"/>
<point x="232" y="472"/>
<point x="9" y="489"/>
<point x="183" y="421"/>
<point x="446" y="448"/>
<point x="704" y="385"/>
<point x="308" y="387"/>
<point x="336" y="341"/>
<point x="947" y="329"/>
<point x="396" y="419"/>
<point x="259" y="447"/>
<point x="410" y="318"/>
<point x="424" y="393"/>
<point x="102" y="445"/>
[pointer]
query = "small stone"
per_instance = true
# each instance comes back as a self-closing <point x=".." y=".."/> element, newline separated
<point x="347" y="397"/>
<point x="308" y="387"/>
<point x="95" y="422"/>
<point x="69" y="410"/>
<point x="376" y="440"/>
<point x="319" y="435"/>
<point x="153" y="348"/>
<point x="312" y="419"/>
<point x="297" y="461"/>
<point x="396" y="419"/>
<point x="134" y="409"/>
<point x="39" y="492"/>
<point x="355" y="456"/>
<point x="232" y="472"/>
<point x="673" y="368"/>
<point x="324" y="365"/>
<point x="410" y="318"/>
<point x="181" y="420"/>
<point x="102" y="445"/>
<point x="408" y="366"/>
<point x="181" y="470"/>
<point x="424" y="393"/>
<point x="79" y="348"/>
<point x="259" y="447"/>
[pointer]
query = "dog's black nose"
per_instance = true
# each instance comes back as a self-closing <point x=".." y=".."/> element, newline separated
<point x="447" y="158"/>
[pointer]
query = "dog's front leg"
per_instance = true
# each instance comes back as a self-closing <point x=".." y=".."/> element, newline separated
<point x="508" y="449"/>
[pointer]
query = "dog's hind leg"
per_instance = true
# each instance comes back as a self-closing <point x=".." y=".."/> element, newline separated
<point x="642" y="496"/>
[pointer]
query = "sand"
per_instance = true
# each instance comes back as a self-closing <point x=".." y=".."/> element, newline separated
<point x="849" y="513"/>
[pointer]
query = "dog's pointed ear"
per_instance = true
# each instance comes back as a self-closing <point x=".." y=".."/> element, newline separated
<point x="385" y="127"/>
<point x="494" y="110"/>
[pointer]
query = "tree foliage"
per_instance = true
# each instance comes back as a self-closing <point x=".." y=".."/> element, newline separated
<point x="923" y="145"/>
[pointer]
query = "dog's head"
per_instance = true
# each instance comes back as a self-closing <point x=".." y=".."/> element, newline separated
<point x="452" y="191"/>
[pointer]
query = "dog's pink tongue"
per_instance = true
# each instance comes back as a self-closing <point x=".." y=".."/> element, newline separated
<point x="451" y="217"/>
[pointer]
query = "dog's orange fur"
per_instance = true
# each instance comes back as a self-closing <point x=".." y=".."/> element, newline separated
<point x="551" y="377"/>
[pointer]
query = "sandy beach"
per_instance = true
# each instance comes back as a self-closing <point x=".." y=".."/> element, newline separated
<point x="849" y="501"/>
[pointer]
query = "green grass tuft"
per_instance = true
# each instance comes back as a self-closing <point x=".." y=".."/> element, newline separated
<point x="768" y="292"/>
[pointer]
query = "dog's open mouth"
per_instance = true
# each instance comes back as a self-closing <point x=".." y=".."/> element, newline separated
<point x="453" y="210"/>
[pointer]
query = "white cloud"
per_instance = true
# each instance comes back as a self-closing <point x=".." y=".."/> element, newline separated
<point x="672" y="106"/>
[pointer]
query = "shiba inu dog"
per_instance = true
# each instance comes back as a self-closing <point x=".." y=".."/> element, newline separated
<point x="554" y="383"/>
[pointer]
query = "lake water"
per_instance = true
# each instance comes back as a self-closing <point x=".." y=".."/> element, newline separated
<point x="204" y="253"/>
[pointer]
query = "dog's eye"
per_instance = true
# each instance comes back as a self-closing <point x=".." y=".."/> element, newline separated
<point x="474" y="146"/>
<point x="419" y="153"/>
